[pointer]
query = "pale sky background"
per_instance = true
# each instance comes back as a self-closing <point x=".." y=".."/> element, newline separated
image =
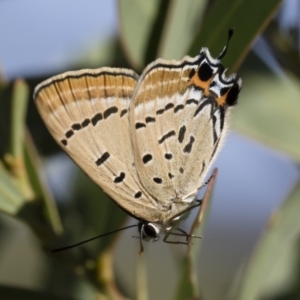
<point x="40" y="37"/>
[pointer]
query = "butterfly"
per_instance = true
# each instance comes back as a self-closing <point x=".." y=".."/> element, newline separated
<point x="147" y="141"/>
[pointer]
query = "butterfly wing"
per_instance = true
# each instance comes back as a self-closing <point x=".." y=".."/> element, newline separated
<point x="178" y="118"/>
<point x="87" y="113"/>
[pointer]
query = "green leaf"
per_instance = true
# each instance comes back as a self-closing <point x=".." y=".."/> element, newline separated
<point x="21" y="189"/>
<point x="15" y="159"/>
<point x="249" y="18"/>
<point x="14" y="187"/>
<point x="19" y="109"/>
<point x="41" y="190"/>
<point x="136" y="24"/>
<point x="182" y="23"/>
<point x="151" y="29"/>
<point x="269" y="112"/>
<point x="274" y="262"/>
<point x="185" y="28"/>
<point x="11" y="198"/>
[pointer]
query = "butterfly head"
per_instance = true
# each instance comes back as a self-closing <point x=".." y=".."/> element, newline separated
<point x="149" y="231"/>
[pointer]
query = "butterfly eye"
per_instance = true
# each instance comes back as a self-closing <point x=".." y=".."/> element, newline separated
<point x="150" y="232"/>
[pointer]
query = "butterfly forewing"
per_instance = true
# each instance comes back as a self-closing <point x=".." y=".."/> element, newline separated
<point x="87" y="113"/>
<point x="176" y="126"/>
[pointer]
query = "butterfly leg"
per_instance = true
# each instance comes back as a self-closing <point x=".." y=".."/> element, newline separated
<point x="183" y="233"/>
<point x="141" y="239"/>
<point x="173" y="242"/>
<point x="141" y="243"/>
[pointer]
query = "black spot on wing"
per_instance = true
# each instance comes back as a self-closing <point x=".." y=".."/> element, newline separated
<point x="138" y="195"/>
<point x="205" y="72"/>
<point x="203" y="167"/>
<point x="224" y="90"/>
<point x="85" y="123"/>
<point x="110" y="111"/>
<point x="76" y="126"/>
<point x="166" y="136"/>
<point x="178" y="108"/>
<point x="170" y="175"/>
<point x="69" y="133"/>
<point x="192" y="73"/>
<point x="181" y="134"/>
<point x="218" y="122"/>
<point x="169" y="106"/>
<point x="150" y="119"/>
<point x="96" y="118"/>
<point x="139" y="125"/>
<point x="222" y="117"/>
<point x="215" y="137"/>
<point x="64" y="142"/>
<point x="104" y="157"/>
<point x="120" y="178"/>
<point x="181" y="170"/>
<point x="201" y="106"/>
<point x="189" y="145"/>
<point x="157" y="180"/>
<point x="123" y="112"/>
<point x="147" y="158"/>
<point x="160" y="111"/>
<point x="191" y="101"/>
<point x="168" y="156"/>
<point x="232" y="95"/>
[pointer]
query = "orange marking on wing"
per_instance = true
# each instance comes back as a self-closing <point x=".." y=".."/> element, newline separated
<point x="204" y="85"/>
<point x="222" y="100"/>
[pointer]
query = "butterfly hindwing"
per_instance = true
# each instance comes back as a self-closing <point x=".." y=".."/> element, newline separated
<point x="177" y="125"/>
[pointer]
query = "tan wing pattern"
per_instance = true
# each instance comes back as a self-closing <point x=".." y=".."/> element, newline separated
<point x="178" y="117"/>
<point x="87" y="113"/>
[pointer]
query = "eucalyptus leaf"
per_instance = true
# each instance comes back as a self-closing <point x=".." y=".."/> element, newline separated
<point x="136" y="23"/>
<point x="249" y="18"/>
<point x="269" y="112"/>
<point x="183" y="22"/>
<point x="11" y="198"/>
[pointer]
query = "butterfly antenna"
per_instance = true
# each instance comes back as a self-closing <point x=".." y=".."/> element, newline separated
<point x="223" y="53"/>
<point x="91" y="239"/>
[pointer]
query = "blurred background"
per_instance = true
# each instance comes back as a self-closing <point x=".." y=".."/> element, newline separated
<point x="258" y="166"/>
